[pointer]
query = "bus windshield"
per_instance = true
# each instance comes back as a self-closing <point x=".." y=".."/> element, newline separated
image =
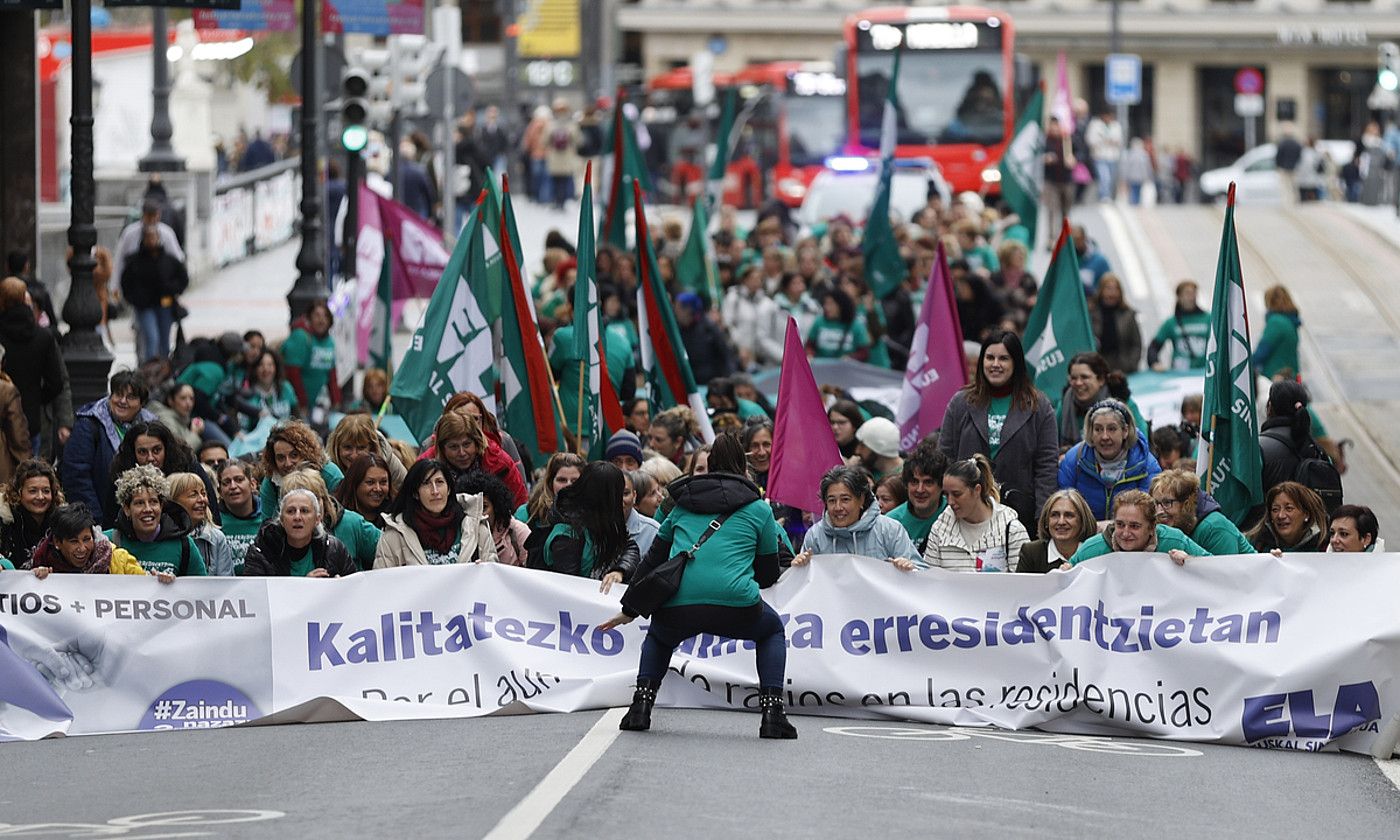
<point x="945" y="96"/>
<point x="816" y="128"/>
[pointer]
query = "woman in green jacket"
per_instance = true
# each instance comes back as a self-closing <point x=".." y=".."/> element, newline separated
<point x="1277" y="349"/>
<point x="1182" y="505"/>
<point x="1133" y="529"/>
<point x="719" y="593"/>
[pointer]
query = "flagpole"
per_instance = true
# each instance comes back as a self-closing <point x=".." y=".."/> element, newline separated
<point x="582" y="369"/>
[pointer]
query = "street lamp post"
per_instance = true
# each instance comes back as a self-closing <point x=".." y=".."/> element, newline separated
<point x="309" y="287"/>
<point x="162" y="156"/>
<point x="86" y="357"/>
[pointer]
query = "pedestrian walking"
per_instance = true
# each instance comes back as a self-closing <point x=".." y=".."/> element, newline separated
<point x="151" y="282"/>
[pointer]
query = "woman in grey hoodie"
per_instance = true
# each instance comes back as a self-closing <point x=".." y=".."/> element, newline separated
<point x="853" y="524"/>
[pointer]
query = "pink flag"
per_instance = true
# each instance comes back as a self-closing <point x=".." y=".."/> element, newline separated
<point x="1062" y="107"/>
<point x="935" y="371"/>
<point x="803" y="445"/>
<point x="418" y="258"/>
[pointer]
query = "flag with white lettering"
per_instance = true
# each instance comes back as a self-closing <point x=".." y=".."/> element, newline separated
<point x="1228" y="457"/>
<point x="1058" y="326"/>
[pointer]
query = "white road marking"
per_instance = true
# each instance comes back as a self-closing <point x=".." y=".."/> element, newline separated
<point x="527" y="816"/>
<point x="1391" y="769"/>
<point x="1129" y="266"/>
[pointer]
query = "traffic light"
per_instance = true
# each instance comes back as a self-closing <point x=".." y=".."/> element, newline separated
<point x="412" y="58"/>
<point x="1388" y="67"/>
<point x="354" y="108"/>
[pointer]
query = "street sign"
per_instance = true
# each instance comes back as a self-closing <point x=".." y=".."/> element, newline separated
<point x="1249" y="81"/>
<point x="1123" y="79"/>
<point x="1249" y="105"/>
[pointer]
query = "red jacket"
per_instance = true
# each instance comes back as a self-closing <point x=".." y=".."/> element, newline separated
<point x="496" y="462"/>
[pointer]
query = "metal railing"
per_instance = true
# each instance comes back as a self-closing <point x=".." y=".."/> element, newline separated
<point x="254" y="211"/>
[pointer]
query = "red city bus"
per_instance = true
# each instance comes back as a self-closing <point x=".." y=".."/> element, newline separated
<point x="957" y="86"/>
<point x="790" y="119"/>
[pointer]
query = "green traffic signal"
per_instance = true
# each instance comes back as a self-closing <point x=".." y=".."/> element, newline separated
<point x="354" y="138"/>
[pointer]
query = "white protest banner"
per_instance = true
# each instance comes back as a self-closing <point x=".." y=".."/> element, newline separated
<point x="1298" y="653"/>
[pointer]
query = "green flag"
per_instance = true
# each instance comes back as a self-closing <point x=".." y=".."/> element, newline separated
<point x="529" y="403"/>
<point x="884" y="267"/>
<point x="1022" y="166"/>
<point x="714" y="179"/>
<point x="381" y="341"/>
<point x="695" y="267"/>
<point x="1058" y="326"/>
<point x="451" y="349"/>
<point x="1228" y="457"/>
<point x="627" y="166"/>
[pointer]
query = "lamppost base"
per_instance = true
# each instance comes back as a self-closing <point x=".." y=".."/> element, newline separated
<point x="163" y="160"/>
<point x="89" y="362"/>
<point x="300" y="298"/>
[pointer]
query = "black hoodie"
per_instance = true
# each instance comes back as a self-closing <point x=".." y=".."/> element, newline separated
<point x="270" y="556"/>
<point x="32" y="361"/>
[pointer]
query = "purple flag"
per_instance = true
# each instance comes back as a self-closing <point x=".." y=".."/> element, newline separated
<point x="418" y="258"/>
<point x="935" y="371"/>
<point x="803" y="446"/>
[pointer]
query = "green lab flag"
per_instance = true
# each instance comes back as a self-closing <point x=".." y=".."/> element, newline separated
<point x="884" y="267"/>
<point x="381" y="346"/>
<point x="1058" y="326"/>
<point x="451" y="349"/>
<point x="1022" y="166"/>
<point x="695" y="268"/>
<point x="627" y="166"/>
<point x="1228" y="457"/>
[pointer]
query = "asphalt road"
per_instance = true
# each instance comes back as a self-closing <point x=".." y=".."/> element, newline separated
<point x="697" y="774"/>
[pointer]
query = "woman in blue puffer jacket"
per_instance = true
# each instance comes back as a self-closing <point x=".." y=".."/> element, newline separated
<point x="1110" y="459"/>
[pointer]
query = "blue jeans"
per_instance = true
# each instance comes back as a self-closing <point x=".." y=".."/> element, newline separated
<point x="672" y="625"/>
<point x="1135" y="193"/>
<point x="1107" y="171"/>
<point x="154" y="336"/>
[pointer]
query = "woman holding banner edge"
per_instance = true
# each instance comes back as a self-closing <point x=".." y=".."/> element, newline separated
<point x="719" y="592"/>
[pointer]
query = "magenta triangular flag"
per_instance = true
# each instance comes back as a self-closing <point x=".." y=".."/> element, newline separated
<point x="803" y="445"/>
<point x="935" y="371"/>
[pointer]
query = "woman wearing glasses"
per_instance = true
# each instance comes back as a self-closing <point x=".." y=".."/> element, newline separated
<point x="1182" y="505"/>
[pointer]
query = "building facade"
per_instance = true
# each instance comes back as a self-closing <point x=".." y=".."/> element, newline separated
<point x="1317" y="57"/>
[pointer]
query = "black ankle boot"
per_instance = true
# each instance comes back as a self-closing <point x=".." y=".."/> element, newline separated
<point x="775" y="723"/>
<point x="638" y="717"/>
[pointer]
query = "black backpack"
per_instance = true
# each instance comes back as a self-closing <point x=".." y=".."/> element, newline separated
<point x="1315" y="470"/>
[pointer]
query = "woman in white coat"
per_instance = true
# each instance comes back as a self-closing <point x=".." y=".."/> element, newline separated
<point x="427" y="526"/>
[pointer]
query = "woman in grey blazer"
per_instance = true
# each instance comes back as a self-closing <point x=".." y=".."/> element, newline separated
<point x="1003" y="416"/>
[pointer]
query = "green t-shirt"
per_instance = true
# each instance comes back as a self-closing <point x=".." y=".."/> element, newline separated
<point x="1188" y="335"/>
<point x="441" y="558"/>
<point x="588" y="558"/>
<point x="162" y="555"/>
<point x="278" y="404"/>
<point x="315" y="357"/>
<point x="833" y="339"/>
<point x="722" y="570"/>
<point x="1280" y="339"/>
<point x="916" y="527"/>
<point x="240" y="533"/>
<point x="566" y="368"/>
<point x="204" y="377"/>
<point x="303" y="565"/>
<point x="1168" y="539"/>
<point x="997" y="410"/>
<point x="749" y="408"/>
<point x="984" y="257"/>
<point x="6" y="564"/>
<point x="360" y="538"/>
<point x="270" y="497"/>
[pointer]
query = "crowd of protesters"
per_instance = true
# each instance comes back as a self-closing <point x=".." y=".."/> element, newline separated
<point x="146" y="480"/>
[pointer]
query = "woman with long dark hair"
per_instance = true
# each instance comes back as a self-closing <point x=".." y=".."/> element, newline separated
<point x="368" y="488"/>
<point x="1001" y="415"/>
<point x="155" y="444"/>
<point x="719" y="592"/>
<point x="586" y="534"/>
<point x="427" y="526"/>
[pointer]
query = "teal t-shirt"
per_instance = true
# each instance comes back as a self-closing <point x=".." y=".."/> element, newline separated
<point x="162" y="555"/>
<point x="749" y="408"/>
<point x="722" y="570"/>
<point x="270" y="497"/>
<point x="6" y="564"/>
<point x="441" y="558"/>
<point x="360" y="538"/>
<point x="915" y="526"/>
<point x="278" y="404"/>
<point x="588" y="558"/>
<point x="833" y="339"/>
<point x="1168" y="539"/>
<point x="1188" y="335"/>
<point x="565" y="362"/>
<point x="205" y="377"/>
<point x="303" y="565"/>
<point x="240" y="534"/>
<point x="1280" y="340"/>
<point x="997" y="410"/>
<point x="315" y="357"/>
